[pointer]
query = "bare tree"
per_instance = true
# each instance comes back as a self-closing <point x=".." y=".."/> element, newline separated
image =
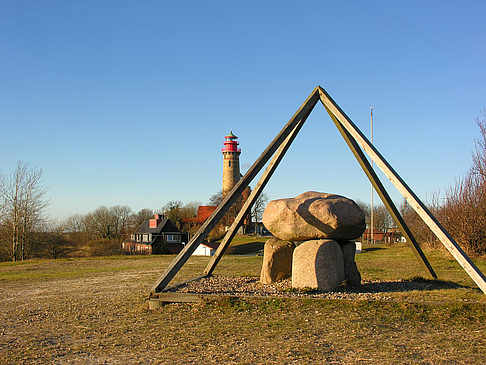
<point x="172" y="211"/>
<point x="382" y="219"/>
<point x="366" y="208"/>
<point x="464" y="210"/>
<point x="99" y="223"/>
<point x="419" y="229"/>
<point x="74" y="229"/>
<point x="464" y="213"/>
<point x="107" y="223"/>
<point x="189" y="210"/>
<point x="479" y="156"/>
<point x="189" y="214"/>
<point x="52" y="242"/>
<point x="258" y="208"/>
<point x="140" y="217"/>
<point x="121" y="220"/>
<point x="5" y="253"/>
<point x="229" y="217"/>
<point x="23" y="202"/>
<point x="216" y="198"/>
<point x="182" y="215"/>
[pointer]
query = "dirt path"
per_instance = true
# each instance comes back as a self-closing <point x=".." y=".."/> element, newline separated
<point x="75" y="320"/>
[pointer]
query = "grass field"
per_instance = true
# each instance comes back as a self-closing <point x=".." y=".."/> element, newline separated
<point x="94" y="311"/>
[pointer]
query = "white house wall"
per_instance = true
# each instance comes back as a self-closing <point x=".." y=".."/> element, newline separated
<point x="203" y="250"/>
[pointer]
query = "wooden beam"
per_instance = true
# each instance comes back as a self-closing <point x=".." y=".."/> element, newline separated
<point x="272" y="166"/>
<point x="158" y="301"/>
<point x="471" y="269"/>
<point x="383" y="194"/>
<point x="234" y="194"/>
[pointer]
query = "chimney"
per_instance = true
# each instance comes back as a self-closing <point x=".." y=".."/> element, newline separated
<point x="154" y="222"/>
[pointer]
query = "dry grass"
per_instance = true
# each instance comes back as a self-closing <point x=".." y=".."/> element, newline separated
<point x="95" y="311"/>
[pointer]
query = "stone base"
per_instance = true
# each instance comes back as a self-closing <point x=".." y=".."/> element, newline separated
<point x="277" y="261"/>
<point x="318" y="264"/>
<point x="351" y="273"/>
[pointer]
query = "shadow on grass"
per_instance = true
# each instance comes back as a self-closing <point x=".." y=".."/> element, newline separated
<point x="416" y="283"/>
<point x="246" y="248"/>
<point x="371" y="249"/>
<point x="241" y="286"/>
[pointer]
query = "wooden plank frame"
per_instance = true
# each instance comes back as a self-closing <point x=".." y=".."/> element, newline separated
<point x="471" y="269"/>
<point x="355" y="139"/>
<point x="383" y="194"/>
<point x="233" y="195"/>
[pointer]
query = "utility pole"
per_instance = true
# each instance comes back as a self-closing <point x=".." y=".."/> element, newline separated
<point x="371" y="228"/>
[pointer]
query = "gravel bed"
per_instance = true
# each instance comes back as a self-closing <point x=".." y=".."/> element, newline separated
<point x="251" y="286"/>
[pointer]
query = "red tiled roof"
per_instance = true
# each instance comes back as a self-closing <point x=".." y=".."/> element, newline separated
<point x="204" y="212"/>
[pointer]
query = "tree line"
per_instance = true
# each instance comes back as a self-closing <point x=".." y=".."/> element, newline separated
<point x="101" y="231"/>
<point x="22" y="202"/>
<point x="26" y="232"/>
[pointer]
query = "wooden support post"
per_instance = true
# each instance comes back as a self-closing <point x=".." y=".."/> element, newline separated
<point x="272" y="166"/>
<point x="472" y="270"/>
<point x="383" y="194"/>
<point x="234" y="194"/>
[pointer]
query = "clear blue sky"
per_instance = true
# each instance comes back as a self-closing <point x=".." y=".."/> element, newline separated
<point x="127" y="102"/>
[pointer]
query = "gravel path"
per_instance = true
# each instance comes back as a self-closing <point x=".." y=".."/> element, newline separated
<point x="250" y="286"/>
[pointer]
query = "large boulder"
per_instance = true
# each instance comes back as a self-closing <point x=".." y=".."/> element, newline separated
<point x="351" y="272"/>
<point x="314" y="215"/>
<point x="318" y="264"/>
<point x="277" y="260"/>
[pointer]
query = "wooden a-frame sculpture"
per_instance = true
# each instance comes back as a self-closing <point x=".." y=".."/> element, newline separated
<point x="358" y="143"/>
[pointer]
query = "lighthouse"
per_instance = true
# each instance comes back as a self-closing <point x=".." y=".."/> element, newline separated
<point x="231" y="163"/>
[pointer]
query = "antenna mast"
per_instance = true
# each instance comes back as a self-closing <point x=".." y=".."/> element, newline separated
<point x="371" y="222"/>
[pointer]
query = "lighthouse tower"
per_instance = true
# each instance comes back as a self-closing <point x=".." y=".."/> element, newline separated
<point x="231" y="163"/>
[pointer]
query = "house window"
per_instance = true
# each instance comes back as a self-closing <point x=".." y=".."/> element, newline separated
<point x="173" y="238"/>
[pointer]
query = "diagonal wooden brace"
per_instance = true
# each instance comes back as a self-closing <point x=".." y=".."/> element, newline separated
<point x="234" y="194"/>
<point x="471" y="269"/>
<point x="272" y="166"/>
<point x="383" y="194"/>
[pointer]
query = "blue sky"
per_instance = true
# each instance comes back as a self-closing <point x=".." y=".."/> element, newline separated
<point x="127" y="102"/>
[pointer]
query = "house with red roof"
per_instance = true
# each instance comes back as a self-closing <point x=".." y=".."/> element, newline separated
<point x="157" y="235"/>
